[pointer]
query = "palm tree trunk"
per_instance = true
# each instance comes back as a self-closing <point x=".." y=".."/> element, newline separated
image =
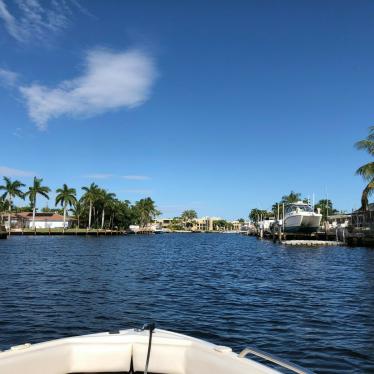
<point x="64" y="216"/>
<point x="90" y="215"/>
<point x="78" y="221"/>
<point x="33" y="214"/>
<point x="102" y="218"/>
<point x="364" y="198"/>
<point x="10" y="210"/>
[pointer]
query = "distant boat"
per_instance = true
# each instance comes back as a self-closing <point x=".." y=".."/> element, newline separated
<point x="145" y="350"/>
<point x="159" y="231"/>
<point x="300" y="217"/>
<point x="134" y="228"/>
<point x="266" y="225"/>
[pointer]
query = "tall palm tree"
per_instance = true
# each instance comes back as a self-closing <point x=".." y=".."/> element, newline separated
<point x="35" y="190"/>
<point x="106" y="198"/>
<point x="66" y="196"/>
<point x="367" y="170"/>
<point x="145" y="211"/>
<point x="12" y="190"/>
<point x="77" y="211"/>
<point x="293" y="197"/>
<point x="90" y="196"/>
<point x="188" y="216"/>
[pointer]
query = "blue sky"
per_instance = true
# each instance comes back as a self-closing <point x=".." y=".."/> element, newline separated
<point x="214" y="106"/>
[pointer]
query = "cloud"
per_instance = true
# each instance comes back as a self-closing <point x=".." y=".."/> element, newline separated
<point x="111" y="80"/>
<point x="9" y="172"/>
<point x="8" y="77"/>
<point x="138" y="192"/>
<point x="31" y="20"/>
<point x="108" y="175"/>
<point x="136" y="177"/>
<point x="98" y="176"/>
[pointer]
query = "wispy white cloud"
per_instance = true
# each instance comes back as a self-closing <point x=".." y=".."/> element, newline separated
<point x="136" y="177"/>
<point x="8" y="77"/>
<point x="10" y="172"/>
<point x="111" y="80"/>
<point x="109" y="175"/>
<point x="31" y="20"/>
<point x="138" y="191"/>
<point x="99" y="176"/>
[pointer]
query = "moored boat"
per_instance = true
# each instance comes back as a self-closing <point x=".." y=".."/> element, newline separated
<point x="135" y="351"/>
<point x="300" y="217"/>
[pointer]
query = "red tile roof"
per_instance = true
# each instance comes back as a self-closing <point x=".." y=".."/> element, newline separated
<point x="41" y="216"/>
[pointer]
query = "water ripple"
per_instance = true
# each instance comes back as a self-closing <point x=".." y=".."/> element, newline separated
<point x="313" y="306"/>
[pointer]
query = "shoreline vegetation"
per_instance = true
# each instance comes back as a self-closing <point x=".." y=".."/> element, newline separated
<point x="96" y="209"/>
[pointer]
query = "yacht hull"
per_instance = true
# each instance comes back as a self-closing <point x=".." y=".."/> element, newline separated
<point x="302" y="223"/>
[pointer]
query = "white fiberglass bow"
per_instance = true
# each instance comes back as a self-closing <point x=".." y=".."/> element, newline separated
<point x="126" y="352"/>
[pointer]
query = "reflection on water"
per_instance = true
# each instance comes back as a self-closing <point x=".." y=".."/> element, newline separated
<point x="311" y="306"/>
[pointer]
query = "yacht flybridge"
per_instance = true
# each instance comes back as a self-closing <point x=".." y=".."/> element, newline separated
<point x="135" y="351"/>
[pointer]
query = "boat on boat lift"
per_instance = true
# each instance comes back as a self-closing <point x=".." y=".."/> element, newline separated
<point x="300" y="218"/>
<point x="146" y="350"/>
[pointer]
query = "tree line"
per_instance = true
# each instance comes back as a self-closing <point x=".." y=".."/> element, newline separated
<point x="96" y="208"/>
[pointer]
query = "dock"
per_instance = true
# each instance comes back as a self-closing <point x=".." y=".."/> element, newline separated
<point x="3" y="232"/>
<point x="75" y="232"/>
<point x="312" y="243"/>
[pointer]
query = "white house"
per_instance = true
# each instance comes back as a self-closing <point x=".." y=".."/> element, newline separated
<point x="42" y="220"/>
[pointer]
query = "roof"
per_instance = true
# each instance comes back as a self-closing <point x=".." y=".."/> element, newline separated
<point x="50" y="216"/>
<point x="369" y="209"/>
<point x="339" y="215"/>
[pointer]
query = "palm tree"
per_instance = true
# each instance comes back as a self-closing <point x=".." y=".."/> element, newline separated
<point x="293" y="197"/>
<point x="77" y="211"/>
<point x="367" y="170"/>
<point x="66" y="196"/>
<point x="106" y="198"/>
<point x="12" y="189"/>
<point x="90" y="196"/>
<point x="35" y="190"/>
<point x="145" y="211"/>
<point x="188" y="216"/>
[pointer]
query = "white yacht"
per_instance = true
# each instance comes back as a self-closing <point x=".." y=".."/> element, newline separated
<point x="146" y="350"/>
<point x="300" y="217"/>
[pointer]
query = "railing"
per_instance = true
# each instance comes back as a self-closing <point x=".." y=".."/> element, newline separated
<point x="276" y="360"/>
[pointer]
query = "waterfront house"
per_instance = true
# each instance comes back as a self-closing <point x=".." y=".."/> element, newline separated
<point x="339" y="220"/>
<point x="199" y="224"/>
<point x="50" y="220"/>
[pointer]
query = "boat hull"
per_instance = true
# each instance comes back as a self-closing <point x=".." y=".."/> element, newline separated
<point x="302" y="223"/>
<point x="117" y="352"/>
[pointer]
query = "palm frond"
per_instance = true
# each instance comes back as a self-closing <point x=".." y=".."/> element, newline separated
<point x="367" y="145"/>
<point x="366" y="171"/>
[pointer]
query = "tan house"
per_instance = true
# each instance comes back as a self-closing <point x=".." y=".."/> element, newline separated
<point x="199" y="224"/>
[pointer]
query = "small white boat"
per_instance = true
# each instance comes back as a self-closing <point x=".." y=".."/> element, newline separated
<point x="135" y="351"/>
<point x="266" y="224"/>
<point x="300" y="217"/>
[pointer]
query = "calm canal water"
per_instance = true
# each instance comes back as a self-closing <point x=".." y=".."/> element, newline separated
<point x="312" y="306"/>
